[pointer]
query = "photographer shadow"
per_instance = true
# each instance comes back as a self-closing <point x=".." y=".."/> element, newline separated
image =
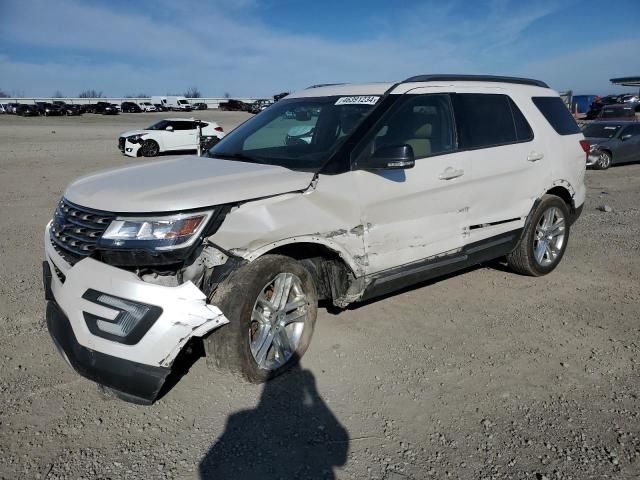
<point x="290" y="434"/>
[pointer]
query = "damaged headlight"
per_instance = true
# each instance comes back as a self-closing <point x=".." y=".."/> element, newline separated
<point x="136" y="138"/>
<point x="155" y="233"/>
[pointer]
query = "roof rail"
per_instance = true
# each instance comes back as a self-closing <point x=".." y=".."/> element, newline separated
<point x="475" y="78"/>
<point x="324" y="85"/>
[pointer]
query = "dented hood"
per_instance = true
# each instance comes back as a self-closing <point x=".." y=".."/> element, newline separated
<point x="182" y="184"/>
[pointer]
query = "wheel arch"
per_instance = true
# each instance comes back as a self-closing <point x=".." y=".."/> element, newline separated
<point x="333" y="270"/>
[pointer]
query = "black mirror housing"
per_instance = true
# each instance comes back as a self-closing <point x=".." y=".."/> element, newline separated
<point x="393" y="157"/>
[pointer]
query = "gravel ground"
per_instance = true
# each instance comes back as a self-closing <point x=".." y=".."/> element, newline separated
<point x="482" y="375"/>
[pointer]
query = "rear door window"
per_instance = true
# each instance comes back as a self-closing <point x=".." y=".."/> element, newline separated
<point x="488" y="120"/>
<point x="557" y="114"/>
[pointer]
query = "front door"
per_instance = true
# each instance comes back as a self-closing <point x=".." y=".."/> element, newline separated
<point x="629" y="146"/>
<point x="417" y="213"/>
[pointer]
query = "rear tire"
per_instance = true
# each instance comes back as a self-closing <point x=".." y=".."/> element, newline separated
<point x="604" y="162"/>
<point x="267" y="333"/>
<point x="544" y="240"/>
<point x="150" y="148"/>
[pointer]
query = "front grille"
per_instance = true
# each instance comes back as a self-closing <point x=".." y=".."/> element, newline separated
<point x="121" y="142"/>
<point x="75" y="230"/>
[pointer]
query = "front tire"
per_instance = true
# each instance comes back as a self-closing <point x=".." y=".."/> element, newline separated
<point x="150" y="148"/>
<point x="272" y="305"/>
<point x="544" y="240"/>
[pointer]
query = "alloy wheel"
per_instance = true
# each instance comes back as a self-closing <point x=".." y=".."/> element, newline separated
<point x="549" y="237"/>
<point x="279" y="317"/>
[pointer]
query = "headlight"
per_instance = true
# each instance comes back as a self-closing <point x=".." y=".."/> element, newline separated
<point x="155" y="233"/>
<point x="136" y="138"/>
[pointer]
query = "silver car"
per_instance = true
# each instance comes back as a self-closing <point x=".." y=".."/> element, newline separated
<point x="612" y="143"/>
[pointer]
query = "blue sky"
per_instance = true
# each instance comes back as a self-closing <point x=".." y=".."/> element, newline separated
<point x="258" y="48"/>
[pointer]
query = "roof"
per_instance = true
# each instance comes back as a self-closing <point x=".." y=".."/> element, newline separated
<point x="476" y="78"/>
<point x="326" y="90"/>
<point x="626" y="81"/>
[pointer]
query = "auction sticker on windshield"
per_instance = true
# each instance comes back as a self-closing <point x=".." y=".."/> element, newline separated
<point x="366" y="100"/>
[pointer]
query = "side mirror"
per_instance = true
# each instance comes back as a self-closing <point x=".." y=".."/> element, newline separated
<point x="169" y="128"/>
<point x="626" y="137"/>
<point x="303" y="115"/>
<point x="393" y="157"/>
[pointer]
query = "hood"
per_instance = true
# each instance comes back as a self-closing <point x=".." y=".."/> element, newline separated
<point x="128" y="133"/>
<point x="182" y="184"/>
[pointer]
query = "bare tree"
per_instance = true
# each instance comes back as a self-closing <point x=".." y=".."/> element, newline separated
<point x="57" y="94"/>
<point x="3" y="94"/>
<point x="227" y="95"/>
<point x="193" y="92"/>
<point x="140" y="95"/>
<point x="91" y="93"/>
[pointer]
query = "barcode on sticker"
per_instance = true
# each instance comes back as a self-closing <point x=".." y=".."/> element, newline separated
<point x="368" y="100"/>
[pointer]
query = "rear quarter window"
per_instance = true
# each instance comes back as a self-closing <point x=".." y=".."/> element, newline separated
<point x="557" y="114"/>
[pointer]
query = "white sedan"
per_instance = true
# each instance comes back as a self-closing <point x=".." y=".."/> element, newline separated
<point x="171" y="134"/>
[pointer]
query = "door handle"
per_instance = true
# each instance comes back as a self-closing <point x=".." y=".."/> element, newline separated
<point x="535" y="156"/>
<point x="451" y="173"/>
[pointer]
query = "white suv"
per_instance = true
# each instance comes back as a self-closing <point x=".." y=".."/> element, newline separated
<point x="389" y="185"/>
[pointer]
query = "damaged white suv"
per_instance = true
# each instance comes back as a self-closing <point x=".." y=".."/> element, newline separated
<point x="388" y="185"/>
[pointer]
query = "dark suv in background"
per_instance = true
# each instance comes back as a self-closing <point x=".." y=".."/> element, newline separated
<point x="130" y="107"/>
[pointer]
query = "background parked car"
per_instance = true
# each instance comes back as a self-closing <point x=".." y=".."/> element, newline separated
<point x="4" y="108"/>
<point x="27" y="110"/>
<point x="105" y="108"/>
<point x="147" y="106"/>
<point x="12" y="107"/>
<point x="170" y="134"/>
<point x="618" y="111"/>
<point x="260" y="105"/>
<point x="70" y="109"/>
<point x="599" y="104"/>
<point x="48" y="109"/>
<point x="160" y="107"/>
<point x="199" y="106"/>
<point x="233" y="106"/>
<point x="612" y="143"/>
<point x="130" y="107"/>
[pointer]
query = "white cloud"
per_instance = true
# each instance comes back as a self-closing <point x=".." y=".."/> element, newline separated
<point x="223" y="46"/>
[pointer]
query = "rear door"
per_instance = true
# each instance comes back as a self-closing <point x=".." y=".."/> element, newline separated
<point x="508" y="165"/>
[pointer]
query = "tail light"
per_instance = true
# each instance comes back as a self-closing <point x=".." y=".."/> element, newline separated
<point x="219" y="129"/>
<point x="585" y="145"/>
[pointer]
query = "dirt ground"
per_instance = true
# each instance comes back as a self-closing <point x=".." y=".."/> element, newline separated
<point x="482" y="375"/>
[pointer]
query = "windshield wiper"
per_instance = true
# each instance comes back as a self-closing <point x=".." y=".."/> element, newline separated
<point x="236" y="156"/>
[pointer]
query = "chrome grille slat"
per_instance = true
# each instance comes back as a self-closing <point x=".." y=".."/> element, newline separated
<point x="75" y="230"/>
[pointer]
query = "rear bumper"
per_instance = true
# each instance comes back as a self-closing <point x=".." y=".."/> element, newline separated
<point x="135" y="382"/>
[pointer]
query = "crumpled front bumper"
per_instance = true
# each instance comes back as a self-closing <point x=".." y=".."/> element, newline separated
<point x="184" y="314"/>
<point x="131" y="149"/>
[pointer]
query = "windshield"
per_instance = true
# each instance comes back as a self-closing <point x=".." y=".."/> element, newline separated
<point x="182" y="102"/>
<point x="601" y="131"/>
<point x="161" y="125"/>
<point x="299" y="134"/>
